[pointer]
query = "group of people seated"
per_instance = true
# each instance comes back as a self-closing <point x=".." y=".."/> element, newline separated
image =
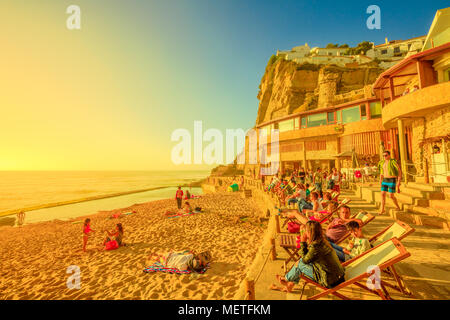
<point x="322" y="257"/>
<point x="299" y="184"/>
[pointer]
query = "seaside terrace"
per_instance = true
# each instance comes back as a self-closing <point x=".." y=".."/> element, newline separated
<point x="415" y="96"/>
<point x="326" y="137"/>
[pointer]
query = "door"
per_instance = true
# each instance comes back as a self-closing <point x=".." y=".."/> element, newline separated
<point x="439" y="168"/>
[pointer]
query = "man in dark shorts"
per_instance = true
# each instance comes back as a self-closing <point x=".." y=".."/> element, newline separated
<point x="179" y="197"/>
<point x="390" y="177"/>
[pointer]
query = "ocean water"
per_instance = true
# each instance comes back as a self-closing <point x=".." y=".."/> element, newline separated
<point x="22" y="189"/>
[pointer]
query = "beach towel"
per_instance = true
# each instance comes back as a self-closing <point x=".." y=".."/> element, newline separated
<point x="117" y="215"/>
<point x="158" y="267"/>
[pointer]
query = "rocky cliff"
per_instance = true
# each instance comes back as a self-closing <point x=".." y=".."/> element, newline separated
<point x="288" y="87"/>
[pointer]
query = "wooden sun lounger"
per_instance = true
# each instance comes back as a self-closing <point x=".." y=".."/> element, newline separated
<point x="398" y="229"/>
<point x="384" y="256"/>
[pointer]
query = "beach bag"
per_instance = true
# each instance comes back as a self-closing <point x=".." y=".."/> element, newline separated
<point x="198" y="209"/>
<point x="293" y="227"/>
<point x="111" y="245"/>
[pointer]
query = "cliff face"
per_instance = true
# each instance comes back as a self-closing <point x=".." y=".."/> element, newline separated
<point x="288" y="87"/>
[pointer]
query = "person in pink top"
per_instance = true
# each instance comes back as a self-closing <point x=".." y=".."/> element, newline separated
<point x="179" y="197"/>
<point x="86" y="231"/>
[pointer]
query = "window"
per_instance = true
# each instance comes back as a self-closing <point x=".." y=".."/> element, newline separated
<point x="375" y="110"/>
<point x="287" y="125"/>
<point x="396" y="49"/>
<point x="447" y="75"/>
<point x="296" y="123"/>
<point x="351" y="115"/>
<point x="316" y="120"/>
<point x="384" y="51"/>
<point x="338" y="116"/>
<point x="303" y="123"/>
<point x="363" y="112"/>
<point x="331" y="118"/>
<point x="265" y="130"/>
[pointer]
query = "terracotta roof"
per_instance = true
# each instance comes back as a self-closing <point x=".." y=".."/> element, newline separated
<point x="383" y="78"/>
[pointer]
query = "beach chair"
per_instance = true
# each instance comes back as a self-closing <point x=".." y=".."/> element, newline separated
<point x="398" y="230"/>
<point x="383" y="256"/>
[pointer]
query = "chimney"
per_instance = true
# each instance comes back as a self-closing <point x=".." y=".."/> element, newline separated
<point x="386" y="39"/>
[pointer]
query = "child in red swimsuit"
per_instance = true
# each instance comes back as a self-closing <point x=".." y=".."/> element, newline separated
<point x="86" y="230"/>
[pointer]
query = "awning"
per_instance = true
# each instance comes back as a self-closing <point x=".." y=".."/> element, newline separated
<point x="346" y="154"/>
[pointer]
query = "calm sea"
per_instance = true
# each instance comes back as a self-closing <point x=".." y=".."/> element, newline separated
<point x="22" y="189"/>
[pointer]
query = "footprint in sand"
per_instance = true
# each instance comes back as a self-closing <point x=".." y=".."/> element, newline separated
<point x="192" y="287"/>
<point x="154" y="296"/>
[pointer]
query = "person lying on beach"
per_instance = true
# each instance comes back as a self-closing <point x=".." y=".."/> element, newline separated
<point x="117" y="233"/>
<point x="359" y="245"/>
<point x="86" y="231"/>
<point x="186" y="260"/>
<point x="187" y="208"/>
<point x="319" y="261"/>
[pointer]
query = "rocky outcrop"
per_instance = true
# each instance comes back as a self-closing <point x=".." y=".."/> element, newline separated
<point x="288" y="87"/>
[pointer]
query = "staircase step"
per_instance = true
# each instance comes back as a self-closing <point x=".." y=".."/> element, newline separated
<point x="441" y="205"/>
<point x="420" y="219"/>
<point x="428" y="211"/>
<point x="422" y="186"/>
<point x="446" y="193"/>
<point x="435" y="195"/>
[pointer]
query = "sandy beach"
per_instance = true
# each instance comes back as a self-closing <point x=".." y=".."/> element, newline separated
<point x="34" y="258"/>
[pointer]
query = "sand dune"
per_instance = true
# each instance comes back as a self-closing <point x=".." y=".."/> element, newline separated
<point x="34" y="258"/>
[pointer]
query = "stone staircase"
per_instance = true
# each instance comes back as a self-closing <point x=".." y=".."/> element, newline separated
<point x="421" y="204"/>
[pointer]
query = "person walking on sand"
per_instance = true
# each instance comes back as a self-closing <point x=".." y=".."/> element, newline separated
<point x="390" y="177"/>
<point x="86" y="231"/>
<point x="179" y="197"/>
<point x="20" y="218"/>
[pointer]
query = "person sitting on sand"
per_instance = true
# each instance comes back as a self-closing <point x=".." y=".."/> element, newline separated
<point x="187" y="208"/>
<point x="86" y="231"/>
<point x="359" y="245"/>
<point x="319" y="261"/>
<point x="187" y="260"/>
<point x="117" y="234"/>
<point x="188" y="195"/>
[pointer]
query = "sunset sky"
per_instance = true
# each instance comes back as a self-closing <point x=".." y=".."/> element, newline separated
<point x="108" y="96"/>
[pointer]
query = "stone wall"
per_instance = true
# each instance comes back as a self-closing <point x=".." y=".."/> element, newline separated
<point x="435" y="124"/>
<point x="287" y="87"/>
